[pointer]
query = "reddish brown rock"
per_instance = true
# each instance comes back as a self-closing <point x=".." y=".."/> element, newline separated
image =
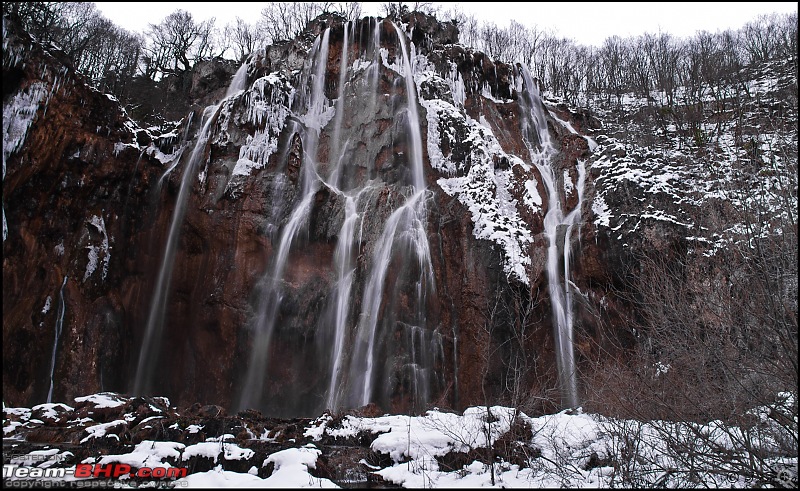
<point x="82" y="160"/>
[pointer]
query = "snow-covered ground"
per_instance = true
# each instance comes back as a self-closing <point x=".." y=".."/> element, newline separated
<point x="481" y="447"/>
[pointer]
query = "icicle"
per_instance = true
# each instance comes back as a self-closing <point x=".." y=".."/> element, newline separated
<point x="177" y="158"/>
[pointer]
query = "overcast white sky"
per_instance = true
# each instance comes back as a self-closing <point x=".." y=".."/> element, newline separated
<point x="588" y="23"/>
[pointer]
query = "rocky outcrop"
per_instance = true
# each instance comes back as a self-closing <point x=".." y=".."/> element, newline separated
<point x="72" y="176"/>
<point x="90" y="200"/>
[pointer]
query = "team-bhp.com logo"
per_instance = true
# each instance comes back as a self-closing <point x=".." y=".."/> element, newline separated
<point x="21" y="476"/>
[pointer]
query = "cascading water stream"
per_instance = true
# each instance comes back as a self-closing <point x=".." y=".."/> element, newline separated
<point x="417" y="174"/>
<point x="149" y="352"/>
<point x="267" y="309"/>
<point x="402" y="222"/>
<point x="347" y="241"/>
<point x="62" y="308"/>
<point x="407" y="222"/>
<point x="264" y="323"/>
<point x="351" y="354"/>
<point x="375" y="66"/>
<point x="572" y="219"/>
<point x="557" y="228"/>
<point x="177" y="159"/>
<point x="337" y="148"/>
<point x="345" y="273"/>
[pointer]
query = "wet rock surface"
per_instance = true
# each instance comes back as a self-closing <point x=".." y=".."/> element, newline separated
<point x="89" y="198"/>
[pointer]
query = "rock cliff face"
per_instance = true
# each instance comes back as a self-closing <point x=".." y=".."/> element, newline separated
<point x="360" y="218"/>
<point x="70" y="178"/>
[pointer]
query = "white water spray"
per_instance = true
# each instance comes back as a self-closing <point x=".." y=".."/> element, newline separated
<point x="62" y="308"/>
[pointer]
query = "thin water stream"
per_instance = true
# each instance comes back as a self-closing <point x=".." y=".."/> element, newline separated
<point x="149" y="351"/>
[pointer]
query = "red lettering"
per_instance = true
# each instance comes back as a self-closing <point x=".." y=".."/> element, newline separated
<point x="83" y="470"/>
<point x="122" y="470"/>
<point x="177" y="472"/>
<point x="119" y="470"/>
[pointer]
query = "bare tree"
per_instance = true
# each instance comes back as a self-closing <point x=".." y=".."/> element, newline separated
<point x="637" y="67"/>
<point x="281" y="21"/>
<point x="786" y="36"/>
<point x="107" y="54"/>
<point x="43" y="20"/>
<point x="531" y="44"/>
<point x="178" y="42"/>
<point x="349" y="10"/>
<point x="716" y="359"/>
<point x="497" y="42"/>
<point x="468" y="29"/>
<point x="111" y="58"/>
<point x="612" y="62"/>
<point x="243" y="38"/>
<point x="399" y="9"/>
<point x="760" y="38"/>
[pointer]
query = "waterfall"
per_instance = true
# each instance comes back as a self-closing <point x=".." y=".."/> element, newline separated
<point x="405" y="220"/>
<point x="375" y="66"/>
<point x="62" y="308"/>
<point x="413" y="118"/>
<point x="238" y="82"/>
<point x="346" y="243"/>
<point x="345" y="273"/>
<point x="263" y="324"/>
<point x="558" y="230"/>
<point x="149" y="351"/>
<point x="352" y="338"/>
<point x="337" y="148"/>
<point x="405" y="225"/>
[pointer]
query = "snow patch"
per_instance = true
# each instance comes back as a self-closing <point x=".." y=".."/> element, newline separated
<point x="148" y="453"/>
<point x="213" y="449"/>
<point x="102" y="400"/>
<point x="484" y="190"/>
<point x="46" y="307"/>
<point x="95" y="251"/>
<point x="49" y="410"/>
<point x="100" y="430"/>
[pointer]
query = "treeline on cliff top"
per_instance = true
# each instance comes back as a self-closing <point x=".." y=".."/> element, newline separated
<point x="131" y="64"/>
